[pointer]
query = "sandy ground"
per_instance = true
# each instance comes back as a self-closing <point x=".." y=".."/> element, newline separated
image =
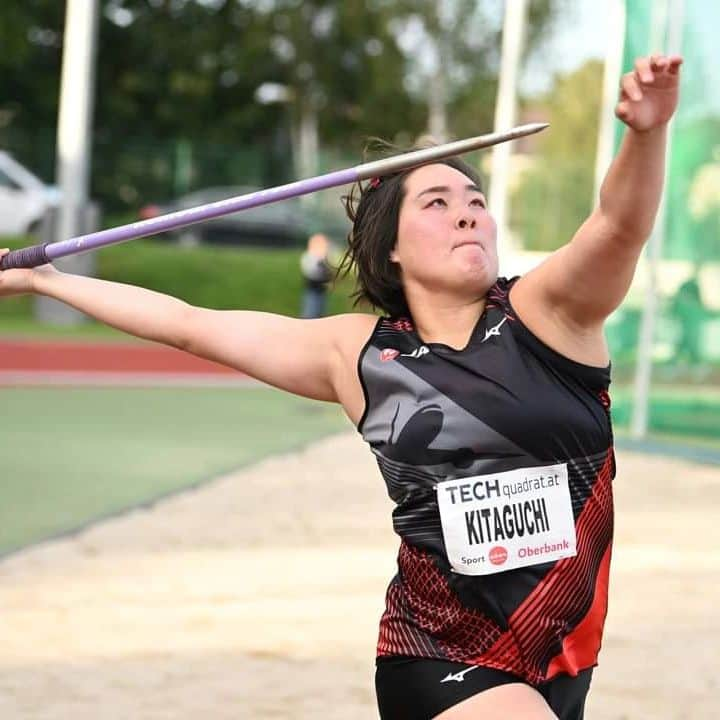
<point x="258" y="596"/>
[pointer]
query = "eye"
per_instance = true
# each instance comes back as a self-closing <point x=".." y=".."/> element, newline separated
<point x="437" y="202"/>
<point x="478" y="202"/>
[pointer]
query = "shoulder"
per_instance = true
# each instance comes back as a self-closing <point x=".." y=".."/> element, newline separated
<point x="350" y="324"/>
<point x="350" y="331"/>
<point x="546" y="321"/>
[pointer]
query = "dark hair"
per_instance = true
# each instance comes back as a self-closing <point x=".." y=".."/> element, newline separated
<point x="374" y="210"/>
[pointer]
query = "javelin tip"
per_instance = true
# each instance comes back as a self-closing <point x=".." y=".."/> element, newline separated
<point x="530" y="128"/>
<point x="415" y="158"/>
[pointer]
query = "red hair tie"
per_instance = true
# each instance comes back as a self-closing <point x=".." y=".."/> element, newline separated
<point x="374" y="182"/>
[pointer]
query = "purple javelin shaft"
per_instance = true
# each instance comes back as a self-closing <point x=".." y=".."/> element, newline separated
<point x="181" y="218"/>
<point x="40" y="254"/>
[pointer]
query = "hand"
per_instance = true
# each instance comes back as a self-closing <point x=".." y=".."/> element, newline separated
<point x="19" y="282"/>
<point x="649" y="94"/>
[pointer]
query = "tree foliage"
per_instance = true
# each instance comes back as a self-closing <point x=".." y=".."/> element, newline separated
<point x="554" y="196"/>
<point x="176" y="83"/>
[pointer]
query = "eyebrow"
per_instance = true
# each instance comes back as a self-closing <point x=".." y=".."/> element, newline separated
<point x="446" y="189"/>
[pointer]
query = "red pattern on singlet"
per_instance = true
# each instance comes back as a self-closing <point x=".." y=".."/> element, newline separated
<point x="423" y="617"/>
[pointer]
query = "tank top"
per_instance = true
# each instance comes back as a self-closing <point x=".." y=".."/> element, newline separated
<point x="504" y="402"/>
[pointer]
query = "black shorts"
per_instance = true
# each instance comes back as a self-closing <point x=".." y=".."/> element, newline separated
<point x="421" y="688"/>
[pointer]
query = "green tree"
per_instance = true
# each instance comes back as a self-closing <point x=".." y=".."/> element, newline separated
<point x="176" y="83"/>
<point x="463" y="39"/>
<point x="30" y="41"/>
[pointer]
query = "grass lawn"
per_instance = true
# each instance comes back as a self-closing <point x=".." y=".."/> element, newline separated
<point x="21" y="328"/>
<point x="73" y="455"/>
<point x="683" y="412"/>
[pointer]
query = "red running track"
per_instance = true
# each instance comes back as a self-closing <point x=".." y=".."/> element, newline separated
<point x="58" y="356"/>
<point x="73" y="362"/>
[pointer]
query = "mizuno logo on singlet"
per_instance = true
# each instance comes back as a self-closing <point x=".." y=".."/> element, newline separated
<point x="418" y="352"/>
<point x="460" y="676"/>
<point x="494" y="331"/>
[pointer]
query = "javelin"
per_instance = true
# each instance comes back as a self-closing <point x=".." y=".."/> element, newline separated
<point x="35" y="255"/>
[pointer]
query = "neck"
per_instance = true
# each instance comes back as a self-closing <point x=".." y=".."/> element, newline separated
<point x="445" y="319"/>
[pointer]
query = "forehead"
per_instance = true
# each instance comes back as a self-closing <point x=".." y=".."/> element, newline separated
<point x="435" y="174"/>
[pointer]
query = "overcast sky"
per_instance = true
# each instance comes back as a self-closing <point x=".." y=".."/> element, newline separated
<point x="577" y="36"/>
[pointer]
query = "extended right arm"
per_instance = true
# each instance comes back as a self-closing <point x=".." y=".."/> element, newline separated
<point x="305" y="357"/>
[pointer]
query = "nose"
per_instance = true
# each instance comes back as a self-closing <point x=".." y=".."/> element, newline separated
<point x="465" y="221"/>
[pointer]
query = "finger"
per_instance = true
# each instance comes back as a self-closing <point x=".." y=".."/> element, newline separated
<point x="658" y="61"/>
<point x="623" y="111"/>
<point x="643" y="70"/>
<point x="631" y="87"/>
<point x="674" y="63"/>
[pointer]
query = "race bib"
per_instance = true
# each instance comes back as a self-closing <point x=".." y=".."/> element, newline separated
<point x="502" y="521"/>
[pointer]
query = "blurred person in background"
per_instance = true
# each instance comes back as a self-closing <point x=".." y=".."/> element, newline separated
<point x="689" y="311"/>
<point x="485" y="401"/>
<point x="316" y="272"/>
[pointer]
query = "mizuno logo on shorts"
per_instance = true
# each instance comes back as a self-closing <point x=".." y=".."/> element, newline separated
<point x="459" y="676"/>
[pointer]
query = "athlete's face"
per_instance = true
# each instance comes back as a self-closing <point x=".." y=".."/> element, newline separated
<point x="446" y="238"/>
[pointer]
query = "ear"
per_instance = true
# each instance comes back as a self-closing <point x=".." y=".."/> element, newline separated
<point x="394" y="255"/>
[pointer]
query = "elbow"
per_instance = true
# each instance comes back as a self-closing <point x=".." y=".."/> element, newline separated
<point x="627" y="232"/>
<point x="180" y="329"/>
<point x="628" y="224"/>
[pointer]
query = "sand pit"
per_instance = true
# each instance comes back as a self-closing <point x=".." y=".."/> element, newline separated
<point x="258" y="596"/>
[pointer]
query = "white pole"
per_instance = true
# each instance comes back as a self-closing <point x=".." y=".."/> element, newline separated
<point x="505" y="111"/>
<point x="76" y="105"/>
<point x="611" y="80"/>
<point x="73" y="149"/>
<point x="437" y="102"/>
<point x="437" y="90"/>
<point x="308" y="143"/>
<point x="672" y="15"/>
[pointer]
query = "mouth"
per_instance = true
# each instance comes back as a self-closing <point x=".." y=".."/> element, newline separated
<point x="465" y="243"/>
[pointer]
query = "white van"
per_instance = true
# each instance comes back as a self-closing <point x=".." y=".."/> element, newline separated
<point x="24" y="198"/>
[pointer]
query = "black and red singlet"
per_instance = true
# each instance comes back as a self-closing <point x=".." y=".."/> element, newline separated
<point x="506" y="402"/>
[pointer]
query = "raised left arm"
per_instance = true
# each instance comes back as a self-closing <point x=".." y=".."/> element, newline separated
<point x="582" y="283"/>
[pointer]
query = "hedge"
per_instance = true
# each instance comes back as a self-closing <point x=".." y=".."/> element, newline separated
<point x="209" y="276"/>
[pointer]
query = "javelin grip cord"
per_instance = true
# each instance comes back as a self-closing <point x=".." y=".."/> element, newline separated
<point x="28" y="257"/>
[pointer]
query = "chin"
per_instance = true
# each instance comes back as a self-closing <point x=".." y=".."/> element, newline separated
<point x="479" y="280"/>
<point x="481" y="273"/>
